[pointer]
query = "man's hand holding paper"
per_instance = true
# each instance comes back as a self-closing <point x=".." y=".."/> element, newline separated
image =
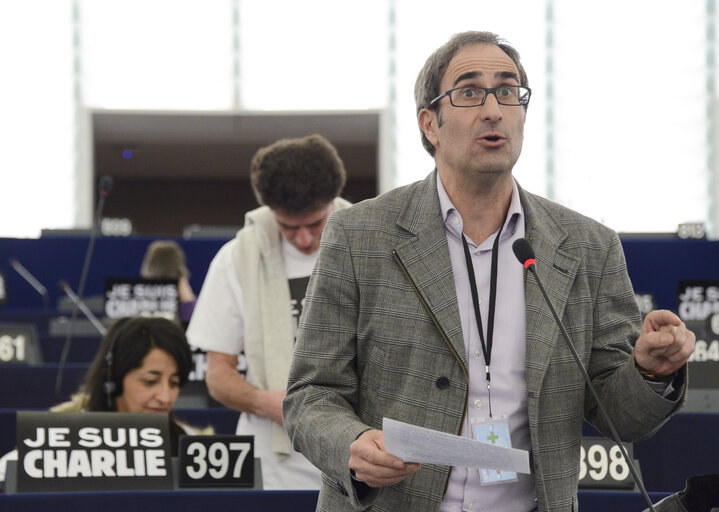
<point x="418" y="444"/>
<point x="372" y="465"/>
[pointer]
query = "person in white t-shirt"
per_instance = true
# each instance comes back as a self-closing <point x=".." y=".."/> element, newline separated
<point x="252" y="296"/>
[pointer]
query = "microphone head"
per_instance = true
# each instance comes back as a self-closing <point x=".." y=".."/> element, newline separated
<point x="62" y="284"/>
<point x="105" y="185"/>
<point x="524" y="252"/>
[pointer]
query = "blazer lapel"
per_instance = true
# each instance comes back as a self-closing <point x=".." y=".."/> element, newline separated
<point x="557" y="269"/>
<point x="425" y="257"/>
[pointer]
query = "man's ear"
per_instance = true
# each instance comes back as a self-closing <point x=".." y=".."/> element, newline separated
<point x="428" y="123"/>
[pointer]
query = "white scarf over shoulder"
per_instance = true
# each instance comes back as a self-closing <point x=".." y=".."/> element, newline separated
<point x="269" y="329"/>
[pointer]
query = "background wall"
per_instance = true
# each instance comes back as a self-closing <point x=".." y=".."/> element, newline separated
<point x="176" y="170"/>
<point x="621" y="124"/>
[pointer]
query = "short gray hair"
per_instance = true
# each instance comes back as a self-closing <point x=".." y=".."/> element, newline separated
<point x="426" y="88"/>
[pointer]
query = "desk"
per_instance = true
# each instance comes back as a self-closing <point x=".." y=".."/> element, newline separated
<point x="155" y="501"/>
<point x="247" y="501"/>
<point x="686" y="445"/>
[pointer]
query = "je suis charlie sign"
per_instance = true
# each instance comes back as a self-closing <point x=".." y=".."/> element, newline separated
<point x="144" y="297"/>
<point x="698" y="307"/>
<point x="92" y="451"/>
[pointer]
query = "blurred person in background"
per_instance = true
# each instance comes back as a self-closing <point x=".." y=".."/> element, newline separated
<point x="165" y="259"/>
<point x="253" y="294"/>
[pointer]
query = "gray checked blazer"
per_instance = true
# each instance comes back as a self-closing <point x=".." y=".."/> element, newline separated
<point x="381" y="326"/>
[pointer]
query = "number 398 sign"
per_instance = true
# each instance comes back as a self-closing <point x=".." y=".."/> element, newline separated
<point x="602" y="466"/>
<point x="216" y="461"/>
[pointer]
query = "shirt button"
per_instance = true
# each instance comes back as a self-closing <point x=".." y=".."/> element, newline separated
<point x="478" y="403"/>
<point x="471" y="505"/>
<point x="477" y="352"/>
<point x="455" y="220"/>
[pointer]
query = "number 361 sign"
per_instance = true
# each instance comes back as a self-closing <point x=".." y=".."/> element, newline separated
<point x="216" y="461"/>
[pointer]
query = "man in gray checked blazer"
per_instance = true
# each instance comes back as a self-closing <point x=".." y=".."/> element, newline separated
<point x="387" y="331"/>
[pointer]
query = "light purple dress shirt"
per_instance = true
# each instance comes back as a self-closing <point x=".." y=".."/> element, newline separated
<point x="507" y="368"/>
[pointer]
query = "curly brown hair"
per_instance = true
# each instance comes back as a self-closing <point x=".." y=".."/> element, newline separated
<point x="297" y="175"/>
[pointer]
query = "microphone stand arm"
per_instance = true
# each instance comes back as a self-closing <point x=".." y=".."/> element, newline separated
<point x="31" y="280"/>
<point x="83" y="307"/>
<point x="106" y="184"/>
<point x="588" y="380"/>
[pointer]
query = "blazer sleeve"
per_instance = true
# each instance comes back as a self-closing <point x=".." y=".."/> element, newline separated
<point x="635" y="408"/>
<point x="323" y="387"/>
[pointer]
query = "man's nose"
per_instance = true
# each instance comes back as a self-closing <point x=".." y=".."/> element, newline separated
<point x="491" y="110"/>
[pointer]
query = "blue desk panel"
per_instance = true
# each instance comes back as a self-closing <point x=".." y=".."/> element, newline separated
<point x="53" y="259"/>
<point x="656" y="265"/>
<point x="82" y="349"/>
<point x="247" y="501"/>
<point x="685" y="446"/>
<point x="33" y="387"/>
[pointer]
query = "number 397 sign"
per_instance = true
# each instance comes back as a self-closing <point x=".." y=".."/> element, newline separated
<point x="216" y="461"/>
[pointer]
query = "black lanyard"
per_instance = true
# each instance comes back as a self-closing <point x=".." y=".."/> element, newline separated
<point x="486" y="347"/>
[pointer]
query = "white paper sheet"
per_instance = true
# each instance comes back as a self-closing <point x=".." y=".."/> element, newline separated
<point x="417" y="444"/>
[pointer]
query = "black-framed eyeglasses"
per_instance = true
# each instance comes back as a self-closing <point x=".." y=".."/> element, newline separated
<point x="513" y="95"/>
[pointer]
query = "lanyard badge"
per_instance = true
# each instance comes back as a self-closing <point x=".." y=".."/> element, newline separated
<point x="494" y="431"/>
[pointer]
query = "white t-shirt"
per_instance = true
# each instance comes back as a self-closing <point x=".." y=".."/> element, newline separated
<point x="217" y="325"/>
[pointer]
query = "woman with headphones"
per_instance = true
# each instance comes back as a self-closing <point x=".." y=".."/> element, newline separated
<point x="141" y="365"/>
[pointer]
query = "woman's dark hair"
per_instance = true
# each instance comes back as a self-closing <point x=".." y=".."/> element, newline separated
<point x="124" y="346"/>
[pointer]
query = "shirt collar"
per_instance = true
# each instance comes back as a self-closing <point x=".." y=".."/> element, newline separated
<point x="453" y="220"/>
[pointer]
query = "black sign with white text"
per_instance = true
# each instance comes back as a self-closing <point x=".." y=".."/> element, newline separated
<point x="19" y="344"/>
<point x="699" y="309"/>
<point x="645" y="303"/>
<point x="216" y="461"/>
<point x="92" y="451"/>
<point x="298" y="289"/>
<point x="196" y="388"/>
<point x="199" y="365"/>
<point x="141" y="297"/>
<point x="3" y="289"/>
<point x="602" y="466"/>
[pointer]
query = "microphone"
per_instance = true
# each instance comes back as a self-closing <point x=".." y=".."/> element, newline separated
<point x="104" y="187"/>
<point x="525" y="254"/>
<point x="31" y="280"/>
<point x="65" y="287"/>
